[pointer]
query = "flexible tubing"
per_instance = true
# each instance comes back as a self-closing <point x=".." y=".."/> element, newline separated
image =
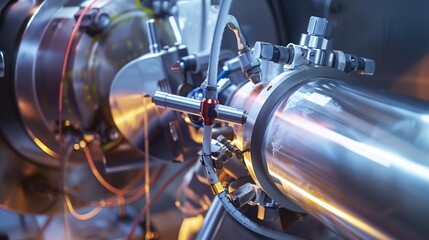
<point x="207" y="133"/>
<point x="217" y="41"/>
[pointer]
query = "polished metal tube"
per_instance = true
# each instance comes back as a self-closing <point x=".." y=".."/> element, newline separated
<point x="176" y="103"/>
<point x="152" y="37"/>
<point x="356" y="159"/>
<point x="212" y="222"/>
<point x="192" y="106"/>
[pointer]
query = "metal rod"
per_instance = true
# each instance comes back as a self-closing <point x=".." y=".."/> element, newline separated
<point x="192" y="106"/>
<point x="212" y="221"/>
<point x="152" y="37"/>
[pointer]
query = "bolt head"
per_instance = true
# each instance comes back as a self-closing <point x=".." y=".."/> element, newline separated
<point x="103" y="21"/>
<point x="369" y="66"/>
<point x="94" y="21"/>
<point x="263" y="50"/>
<point x="319" y="27"/>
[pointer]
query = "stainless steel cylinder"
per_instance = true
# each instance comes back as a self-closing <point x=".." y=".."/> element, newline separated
<point x="356" y="159"/>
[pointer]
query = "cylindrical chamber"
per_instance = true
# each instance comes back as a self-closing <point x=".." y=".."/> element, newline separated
<point x="356" y="159"/>
<point x="35" y="41"/>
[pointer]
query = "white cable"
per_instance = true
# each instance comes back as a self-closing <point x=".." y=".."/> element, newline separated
<point x="217" y="41"/>
<point x="207" y="132"/>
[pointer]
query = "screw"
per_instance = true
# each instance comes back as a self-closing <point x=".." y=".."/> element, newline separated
<point x="366" y="66"/>
<point x="94" y="21"/>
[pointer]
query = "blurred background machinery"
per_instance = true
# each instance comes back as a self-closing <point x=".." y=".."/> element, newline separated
<point x="142" y="119"/>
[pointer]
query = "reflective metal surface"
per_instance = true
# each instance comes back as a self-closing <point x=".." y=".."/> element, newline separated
<point x="152" y="36"/>
<point x="357" y="159"/>
<point x="259" y="100"/>
<point x="212" y="221"/>
<point x="192" y="106"/>
<point x="31" y="173"/>
<point x="135" y="82"/>
<point x="130" y="99"/>
<point x="92" y="63"/>
<point x="2" y="65"/>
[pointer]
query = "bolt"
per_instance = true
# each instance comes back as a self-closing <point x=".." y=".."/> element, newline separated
<point x="366" y="66"/>
<point x="94" y="21"/>
<point x="319" y="27"/>
<point x="263" y="51"/>
<point x="271" y="52"/>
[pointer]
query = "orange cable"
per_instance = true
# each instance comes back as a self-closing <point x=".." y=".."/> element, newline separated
<point x="157" y="194"/>
<point x="107" y="185"/>
<point x="82" y="217"/>
<point x="136" y="194"/>
<point x="100" y="178"/>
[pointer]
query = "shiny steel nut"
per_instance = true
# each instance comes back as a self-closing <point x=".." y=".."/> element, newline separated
<point x="263" y="50"/>
<point x="369" y="66"/>
<point x="319" y="27"/>
<point x="243" y="195"/>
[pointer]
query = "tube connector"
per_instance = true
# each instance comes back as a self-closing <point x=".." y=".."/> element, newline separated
<point x="217" y="188"/>
<point x="208" y="110"/>
<point x="193" y="106"/>
<point x="250" y="66"/>
<point x="348" y="63"/>
<point x="273" y="53"/>
<point x="243" y="195"/>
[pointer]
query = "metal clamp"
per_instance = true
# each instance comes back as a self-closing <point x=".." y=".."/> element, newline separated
<point x="208" y="110"/>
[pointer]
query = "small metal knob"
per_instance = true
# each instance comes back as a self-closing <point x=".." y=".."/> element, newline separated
<point x="263" y="50"/>
<point x="366" y="66"/>
<point x="94" y="21"/>
<point x="274" y="53"/>
<point x="319" y="27"/>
